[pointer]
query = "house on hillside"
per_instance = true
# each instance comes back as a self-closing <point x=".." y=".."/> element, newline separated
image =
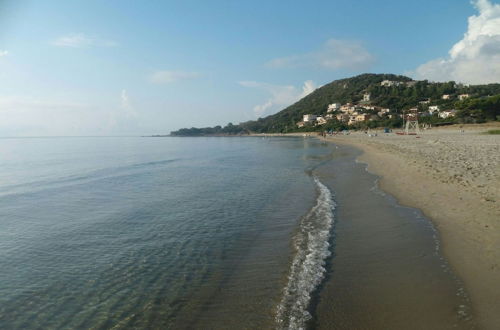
<point x="309" y="118"/>
<point x="333" y="107"/>
<point x="433" y="108"/>
<point x="447" y="114"/>
<point x="366" y="97"/>
<point x="343" y="117"/>
<point x="320" y="120"/>
<point x="359" y="118"/>
<point x="446" y="97"/>
<point x="383" y="111"/>
<point x="301" y="124"/>
<point x="368" y="107"/>
<point x="463" y="96"/>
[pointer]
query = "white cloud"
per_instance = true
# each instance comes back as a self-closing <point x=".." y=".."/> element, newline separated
<point x="476" y="58"/>
<point x="80" y="40"/>
<point x="335" y="54"/>
<point x="167" y="77"/>
<point x="3" y="53"/>
<point x="280" y="96"/>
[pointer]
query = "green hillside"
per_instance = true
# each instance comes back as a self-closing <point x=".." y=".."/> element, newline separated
<point x="482" y="105"/>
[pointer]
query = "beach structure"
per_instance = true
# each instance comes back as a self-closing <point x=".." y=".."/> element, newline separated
<point x="410" y="119"/>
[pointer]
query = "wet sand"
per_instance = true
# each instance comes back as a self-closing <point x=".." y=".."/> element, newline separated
<point x="453" y="178"/>
<point x="387" y="271"/>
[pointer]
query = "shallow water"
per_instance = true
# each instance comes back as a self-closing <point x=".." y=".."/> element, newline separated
<point x="211" y="233"/>
<point x="387" y="272"/>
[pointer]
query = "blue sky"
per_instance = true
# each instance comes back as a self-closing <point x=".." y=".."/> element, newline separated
<point x="132" y="67"/>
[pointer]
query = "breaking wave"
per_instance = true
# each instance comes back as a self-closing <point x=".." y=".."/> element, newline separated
<point x="308" y="265"/>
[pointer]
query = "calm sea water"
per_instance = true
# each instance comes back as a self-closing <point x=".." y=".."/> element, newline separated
<point x="160" y="232"/>
<point x="212" y="233"/>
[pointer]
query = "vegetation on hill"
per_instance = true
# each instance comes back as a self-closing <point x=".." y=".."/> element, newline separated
<point x="482" y="105"/>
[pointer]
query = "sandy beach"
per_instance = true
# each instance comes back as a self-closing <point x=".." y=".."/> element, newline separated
<point x="454" y="178"/>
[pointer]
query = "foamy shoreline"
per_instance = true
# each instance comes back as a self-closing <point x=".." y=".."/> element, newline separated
<point x="454" y="178"/>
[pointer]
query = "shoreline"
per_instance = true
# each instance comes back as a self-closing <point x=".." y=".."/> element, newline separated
<point x="463" y="208"/>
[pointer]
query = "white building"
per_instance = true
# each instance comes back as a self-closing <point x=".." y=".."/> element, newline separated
<point x="446" y="96"/>
<point x="333" y="107"/>
<point x="433" y="108"/>
<point x="366" y="97"/>
<point x="383" y="111"/>
<point x="309" y="118"/>
<point x="367" y="107"/>
<point x="447" y="114"/>
<point x="320" y="120"/>
<point x="343" y="117"/>
<point x="463" y="96"/>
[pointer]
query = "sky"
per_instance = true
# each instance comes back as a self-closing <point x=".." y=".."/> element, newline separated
<point x="92" y="67"/>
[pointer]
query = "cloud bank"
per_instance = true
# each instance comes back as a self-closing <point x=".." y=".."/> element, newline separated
<point x="476" y="58"/>
<point x="335" y="54"/>
<point x="280" y="96"/>
<point x="80" y="40"/>
<point x="168" y="77"/>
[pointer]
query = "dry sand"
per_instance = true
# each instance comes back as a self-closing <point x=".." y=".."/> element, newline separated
<point x="454" y="178"/>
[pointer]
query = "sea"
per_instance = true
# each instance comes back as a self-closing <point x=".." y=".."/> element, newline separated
<point x="213" y="233"/>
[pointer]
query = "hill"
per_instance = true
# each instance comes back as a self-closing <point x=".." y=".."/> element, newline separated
<point x="395" y="93"/>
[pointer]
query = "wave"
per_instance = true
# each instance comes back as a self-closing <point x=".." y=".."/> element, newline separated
<point x="308" y="265"/>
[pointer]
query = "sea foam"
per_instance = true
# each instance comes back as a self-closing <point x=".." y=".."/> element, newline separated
<point x="308" y="266"/>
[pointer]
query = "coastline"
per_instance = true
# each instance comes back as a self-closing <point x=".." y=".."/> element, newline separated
<point x="443" y="174"/>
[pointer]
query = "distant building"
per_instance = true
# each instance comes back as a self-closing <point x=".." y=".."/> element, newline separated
<point x="447" y="114"/>
<point x="359" y="118"/>
<point x="425" y="101"/>
<point x="433" y="108"/>
<point x="411" y="83"/>
<point x="333" y="107"/>
<point x="366" y="97"/>
<point x="320" y="120"/>
<point x="347" y="108"/>
<point x="368" y="107"/>
<point x="446" y="96"/>
<point x="463" y="96"/>
<point x="343" y="117"/>
<point x="309" y="118"/>
<point x="383" y="111"/>
<point x="352" y="120"/>
<point x="301" y="124"/>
